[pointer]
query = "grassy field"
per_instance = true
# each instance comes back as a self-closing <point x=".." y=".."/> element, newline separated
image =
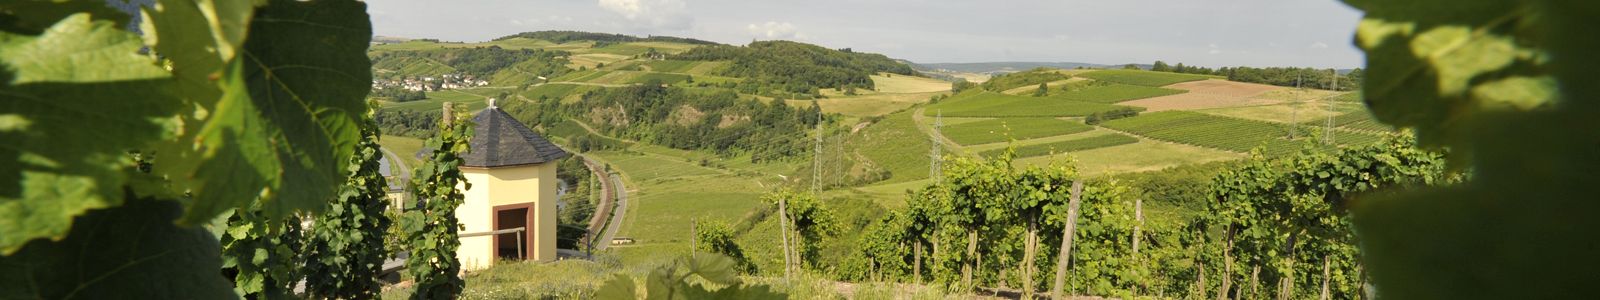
<point x="895" y="144"/>
<point x="1075" y="145"/>
<point x="1306" y="113"/>
<point x="671" y="66"/>
<point x="1144" y="78"/>
<point x="1114" y="93"/>
<point x="404" y="147"/>
<point x="890" y="83"/>
<point x="1000" y="130"/>
<point x="665" y="78"/>
<point x="989" y="104"/>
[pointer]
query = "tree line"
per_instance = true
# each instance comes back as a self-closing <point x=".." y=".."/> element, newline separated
<point x="1279" y="76"/>
<point x="480" y="62"/>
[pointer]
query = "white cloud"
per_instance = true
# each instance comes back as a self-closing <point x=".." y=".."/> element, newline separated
<point x="1319" y="45"/>
<point x="773" y="30"/>
<point x="655" y="14"/>
<point x="1214" y="49"/>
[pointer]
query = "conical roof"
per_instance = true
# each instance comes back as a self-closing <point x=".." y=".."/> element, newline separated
<point x="498" y="140"/>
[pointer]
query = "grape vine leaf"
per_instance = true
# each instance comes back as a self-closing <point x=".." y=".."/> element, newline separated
<point x="33" y="16"/>
<point x="199" y="37"/>
<point x="133" y="251"/>
<point x="73" y="101"/>
<point x="288" y="116"/>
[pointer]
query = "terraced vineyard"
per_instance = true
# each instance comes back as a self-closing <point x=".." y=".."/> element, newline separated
<point x="1144" y="78"/>
<point x="996" y="105"/>
<point x="997" y="130"/>
<point x="1360" y="120"/>
<point x="1114" y="93"/>
<point x="1094" y="142"/>
<point x="1209" y="131"/>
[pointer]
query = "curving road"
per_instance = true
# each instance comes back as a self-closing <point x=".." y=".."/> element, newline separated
<point x="616" y="218"/>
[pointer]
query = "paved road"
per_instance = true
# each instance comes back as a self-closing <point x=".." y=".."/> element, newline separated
<point x="597" y="223"/>
<point x="616" y="218"/>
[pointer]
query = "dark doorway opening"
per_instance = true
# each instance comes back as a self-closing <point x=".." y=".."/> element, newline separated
<point x="512" y="245"/>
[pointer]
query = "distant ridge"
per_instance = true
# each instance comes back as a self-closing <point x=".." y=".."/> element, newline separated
<point x="563" y="36"/>
<point x="1004" y="67"/>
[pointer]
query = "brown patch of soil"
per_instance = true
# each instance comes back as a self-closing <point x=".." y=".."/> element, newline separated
<point x="1213" y="93"/>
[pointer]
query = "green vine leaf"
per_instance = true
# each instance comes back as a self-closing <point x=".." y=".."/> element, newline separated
<point x="73" y="101"/>
<point x="291" y="104"/>
<point x="133" y="251"/>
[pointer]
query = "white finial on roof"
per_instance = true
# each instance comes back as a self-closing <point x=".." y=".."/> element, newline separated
<point x="491" y="104"/>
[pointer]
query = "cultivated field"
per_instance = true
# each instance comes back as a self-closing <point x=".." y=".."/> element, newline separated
<point x="1073" y="145"/>
<point x="1208" y="94"/>
<point x="989" y="104"/>
<point x="890" y="83"/>
<point x="1005" y="129"/>
<point x="1115" y="93"/>
<point x="1144" y="78"/>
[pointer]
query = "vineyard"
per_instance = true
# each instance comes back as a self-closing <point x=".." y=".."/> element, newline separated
<point x="1004" y="129"/>
<point x="995" y="105"/>
<point x="1142" y="78"/>
<point x="1113" y="93"/>
<point x="1094" y="142"/>
<point x="1210" y="131"/>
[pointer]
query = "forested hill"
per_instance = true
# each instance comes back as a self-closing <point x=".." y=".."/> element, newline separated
<point x="778" y="67"/>
<point x="563" y="36"/>
<point x="493" y="63"/>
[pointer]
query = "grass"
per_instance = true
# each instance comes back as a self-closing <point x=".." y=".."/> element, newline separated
<point x="1305" y="113"/>
<point x="404" y="147"/>
<point x="989" y="104"/>
<point x="1144" y="78"/>
<point x="1000" y="130"/>
<point x="891" y="83"/>
<point x="1094" y="142"/>
<point x="895" y="144"/>
<point x="665" y="78"/>
<point x="1114" y="93"/>
<point x="671" y="66"/>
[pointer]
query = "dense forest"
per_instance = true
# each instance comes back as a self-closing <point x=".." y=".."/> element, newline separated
<point x="717" y="121"/>
<point x="1279" y="76"/>
<point x="481" y="62"/>
<point x="796" y="70"/>
<point x="398" y="94"/>
<point x="563" y="36"/>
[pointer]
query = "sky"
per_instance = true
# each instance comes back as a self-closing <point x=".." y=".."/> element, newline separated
<point x="1213" y="33"/>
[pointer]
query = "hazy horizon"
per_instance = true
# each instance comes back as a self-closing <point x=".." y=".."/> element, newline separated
<point x="1299" y="33"/>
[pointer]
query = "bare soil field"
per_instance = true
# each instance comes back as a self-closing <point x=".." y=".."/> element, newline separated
<point x="1205" y="94"/>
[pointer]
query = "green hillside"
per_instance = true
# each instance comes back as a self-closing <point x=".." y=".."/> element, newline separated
<point x="1144" y="78"/>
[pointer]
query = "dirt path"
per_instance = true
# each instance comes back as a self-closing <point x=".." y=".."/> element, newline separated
<point x="922" y="125"/>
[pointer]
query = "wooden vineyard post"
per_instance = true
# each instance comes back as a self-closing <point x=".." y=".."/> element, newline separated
<point x="1066" y="240"/>
<point x="1324" y="278"/>
<point x="783" y="226"/>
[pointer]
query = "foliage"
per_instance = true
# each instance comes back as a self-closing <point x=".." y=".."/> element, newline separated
<point x="716" y="237"/>
<point x="1507" y="87"/>
<point x="345" y="251"/>
<point x="1144" y="78"/>
<point x="252" y="123"/>
<point x="677" y="281"/>
<point x="1073" y="145"/>
<point x="431" y="227"/>
<point x="811" y="221"/>
<point x="1288" y="216"/>
<point x="1004" y="129"/>
<point x="1101" y="117"/>
<point x="261" y="254"/>
<point x="399" y="94"/>
<point x="407" y="123"/>
<point x="479" y="62"/>
<point x="784" y="68"/>
<point x="1279" y="76"/>
<point x="684" y="119"/>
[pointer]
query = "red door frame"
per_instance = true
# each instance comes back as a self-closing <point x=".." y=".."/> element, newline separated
<point x="527" y="225"/>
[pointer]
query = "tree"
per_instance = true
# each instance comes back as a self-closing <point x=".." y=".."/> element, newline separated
<point x="1161" y="66"/>
<point x="1042" y="91"/>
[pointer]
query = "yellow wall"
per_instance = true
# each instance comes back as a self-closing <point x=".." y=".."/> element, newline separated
<point x="504" y="186"/>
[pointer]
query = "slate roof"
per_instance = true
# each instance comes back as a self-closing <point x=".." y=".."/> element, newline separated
<point x="499" y="140"/>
